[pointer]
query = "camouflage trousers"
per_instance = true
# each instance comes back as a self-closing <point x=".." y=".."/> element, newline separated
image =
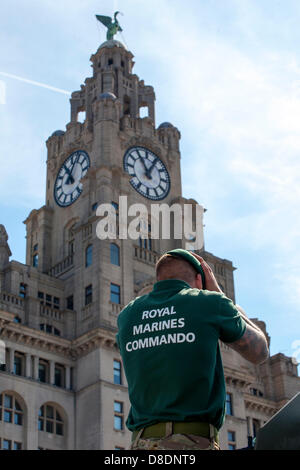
<point x="175" y="442"/>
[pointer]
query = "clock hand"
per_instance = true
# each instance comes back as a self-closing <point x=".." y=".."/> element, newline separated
<point x="149" y="171"/>
<point x="70" y="177"/>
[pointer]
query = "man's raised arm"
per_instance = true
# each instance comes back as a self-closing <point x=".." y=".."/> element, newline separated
<point x="253" y="344"/>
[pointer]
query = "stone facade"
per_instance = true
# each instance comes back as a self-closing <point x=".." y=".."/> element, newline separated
<point x="63" y="386"/>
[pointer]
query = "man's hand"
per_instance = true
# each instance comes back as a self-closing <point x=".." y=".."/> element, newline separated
<point x="210" y="280"/>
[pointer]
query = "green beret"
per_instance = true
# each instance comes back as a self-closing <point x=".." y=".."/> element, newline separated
<point x="188" y="256"/>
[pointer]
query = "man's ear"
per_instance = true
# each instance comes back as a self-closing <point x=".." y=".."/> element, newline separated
<point x="199" y="284"/>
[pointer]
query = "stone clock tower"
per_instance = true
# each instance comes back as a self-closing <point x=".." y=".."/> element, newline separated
<point x="63" y="385"/>
<point x="114" y="152"/>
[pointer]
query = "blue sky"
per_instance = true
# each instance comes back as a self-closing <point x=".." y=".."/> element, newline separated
<point x="227" y="74"/>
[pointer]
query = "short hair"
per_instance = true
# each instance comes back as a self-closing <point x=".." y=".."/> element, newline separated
<point x="171" y="267"/>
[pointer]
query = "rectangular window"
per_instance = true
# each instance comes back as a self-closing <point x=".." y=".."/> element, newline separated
<point x="118" y="415"/>
<point x="70" y="302"/>
<point x="49" y="300"/>
<point x="117" y="373"/>
<point x="231" y="440"/>
<point x="18" y="365"/>
<point x="115" y="293"/>
<point x="229" y="408"/>
<point x="6" y="444"/>
<point x="7" y="415"/>
<point x="35" y="260"/>
<point x="41" y="297"/>
<point x="22" y="290"/>
<point x="8" y="401"/>
<point x="89" y="294"/>
<point x="56" y="302"/>
<point x="58" y="376"/>
<point x="18" y="419"/>
<point x="42" y="372"/>
<point x="17" y="446"/>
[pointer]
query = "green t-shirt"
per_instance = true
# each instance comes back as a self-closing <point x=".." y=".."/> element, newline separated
<point x="168" y="341"/>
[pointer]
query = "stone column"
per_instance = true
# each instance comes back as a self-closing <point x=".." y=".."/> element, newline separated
<point x="52" y="372"/>
<point x="28" y="365"/>
<point x="11" y="360"/>
<point x="36" y="367"/>
<point x="68" y="377"/>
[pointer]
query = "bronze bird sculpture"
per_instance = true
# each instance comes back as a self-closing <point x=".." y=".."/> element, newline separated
<point x="112" y="27"/>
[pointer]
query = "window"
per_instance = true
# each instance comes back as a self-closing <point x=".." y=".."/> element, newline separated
<point x="114" y="254"/>
<point x="22" y="290"/>
<point x="231" y="440"/>
<point x="50" y="420"/>
<point x="56" y="302"/>
<point x="115" y="295"/>
<point x="229" y="409"/>
<point x="18" y="364"/>
<point x="43" y="372"/>
<point x="110" y="61"/>
<point x="89" y="294"/>
<point x="35" y="256"/>
<point x="49" y="329"/>
<point x="51" y="301"/>
<point x="6" y="444"/>
<point x="17" y="319"/>
<point x="70" y="302"/>
<point x="35" y="260"/>
<point x="144" y="111"/>
<point x="41" y="297"/>
<point x="10" y="410"/>
<point x="118" y="415"/>
<point x="58" y="376"/>
<point x="88" y="256"/>
<point x="71" y="247"/>
<point x="94" y="206"/>
<point x="117" y="372"/>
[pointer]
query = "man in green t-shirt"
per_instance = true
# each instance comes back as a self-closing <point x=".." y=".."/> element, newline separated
<point x="169" y="343"/>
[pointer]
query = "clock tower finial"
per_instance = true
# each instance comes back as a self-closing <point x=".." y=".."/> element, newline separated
<point x="112" y="27"/>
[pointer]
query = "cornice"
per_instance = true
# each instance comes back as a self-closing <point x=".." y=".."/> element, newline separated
<point x="239" y="379"/>
<point x="260" y="404"/>
<point x="72" y="349"/>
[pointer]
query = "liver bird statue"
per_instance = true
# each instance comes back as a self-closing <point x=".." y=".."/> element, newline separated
<point x="112" y="27"/>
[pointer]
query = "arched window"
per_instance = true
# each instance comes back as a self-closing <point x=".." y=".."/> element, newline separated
<point x="10" y="409"/>
<point x="114" y="254"/>
<point x="88" y="256"/>
<point x="50" y="420"/>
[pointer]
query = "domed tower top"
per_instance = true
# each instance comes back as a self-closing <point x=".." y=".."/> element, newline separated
<point x="113" y="81"/>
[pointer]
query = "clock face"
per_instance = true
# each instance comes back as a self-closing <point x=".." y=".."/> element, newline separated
<point x="68" y="187"/>
<point x="149" y="175"/>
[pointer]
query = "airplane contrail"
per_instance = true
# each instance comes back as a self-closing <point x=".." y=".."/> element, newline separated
<point x="32" y="82"/>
